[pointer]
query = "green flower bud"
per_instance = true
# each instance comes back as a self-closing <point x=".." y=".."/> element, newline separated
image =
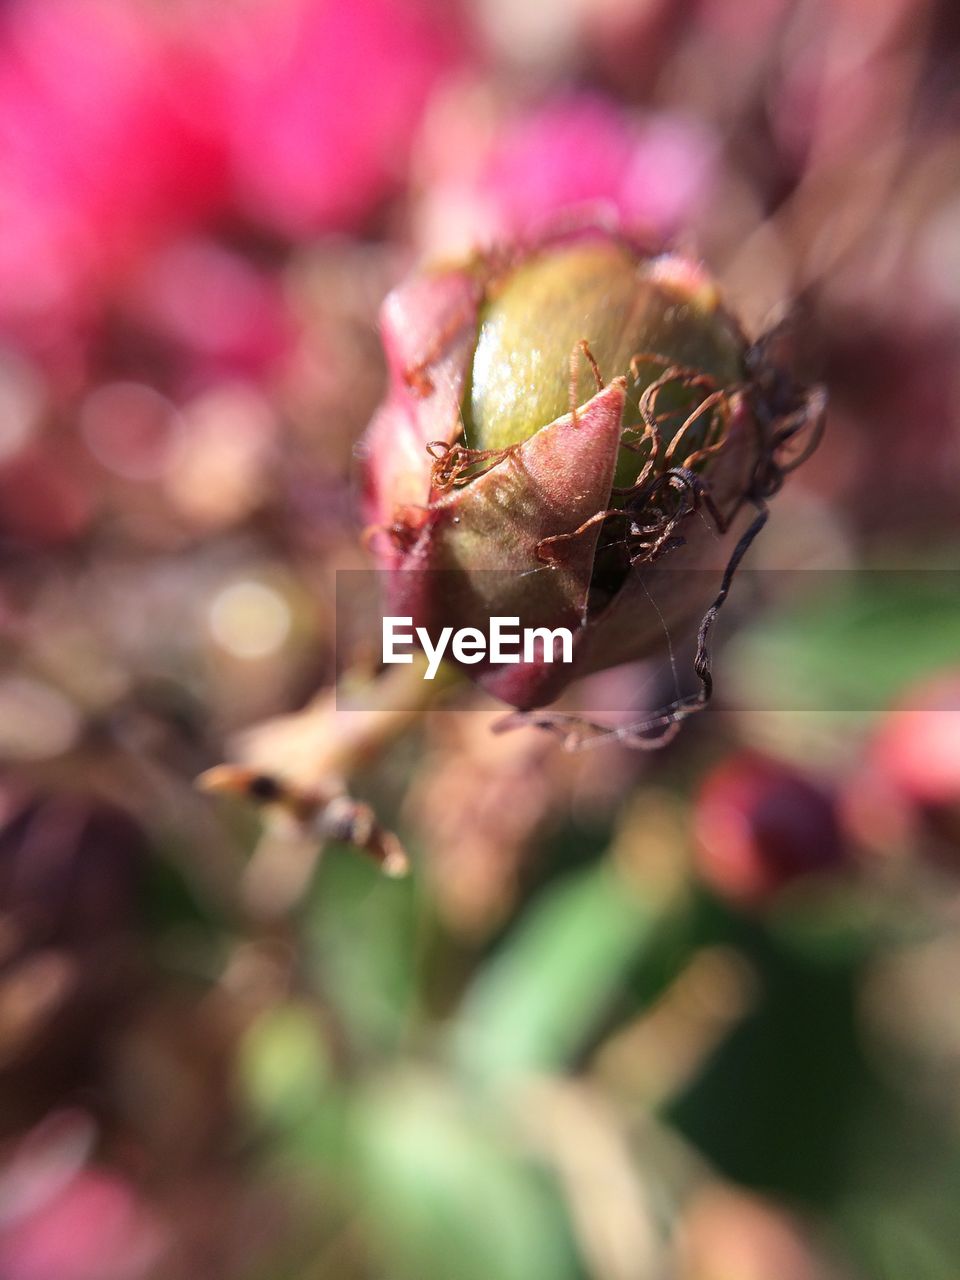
<point x="622" y="305"/>
<point x="564" y="424"/>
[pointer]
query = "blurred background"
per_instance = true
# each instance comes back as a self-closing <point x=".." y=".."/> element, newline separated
<point x="682" y="1016"/>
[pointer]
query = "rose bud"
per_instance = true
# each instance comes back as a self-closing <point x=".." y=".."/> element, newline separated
<point x="760" y="825"/>
<point x="557" y="419"/>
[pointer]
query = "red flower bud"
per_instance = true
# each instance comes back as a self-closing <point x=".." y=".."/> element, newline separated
<point x="760" y="825"/>
<point x="557" y="422"/>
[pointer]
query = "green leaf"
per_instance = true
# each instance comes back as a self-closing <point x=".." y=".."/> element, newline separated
<point x="363" y="929"/>
<point x="852" y="645"/>
<point x="449" y="1195"/>
<point x="535" y="1004"/>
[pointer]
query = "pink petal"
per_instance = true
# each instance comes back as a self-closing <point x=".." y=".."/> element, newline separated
<point x="429" y="327"/>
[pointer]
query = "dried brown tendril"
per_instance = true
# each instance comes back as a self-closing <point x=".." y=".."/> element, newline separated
<point x="650" y="483"/>
<point x="455" y="465"/>
<point x="784" y="428"/>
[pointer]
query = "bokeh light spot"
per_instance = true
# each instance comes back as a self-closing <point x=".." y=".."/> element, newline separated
<point x="249" y="620"/>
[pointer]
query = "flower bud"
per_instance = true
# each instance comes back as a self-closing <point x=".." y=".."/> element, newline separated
<point x="760" y="825"/>
<point x="558" y="421"/>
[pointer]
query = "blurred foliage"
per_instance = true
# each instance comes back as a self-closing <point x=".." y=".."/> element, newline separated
<point x="853" y="643"/>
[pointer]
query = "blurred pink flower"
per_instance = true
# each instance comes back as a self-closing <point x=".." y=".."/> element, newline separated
<point x="322" y="101"/>
<point x="917" y="749"/>
<point x="214" y="306"/>
<point x="913" y="764"/>
<point x="62" y="1218"/>
<point x="582" y="151"/>
<point x="98" y="154"/>
<point x="123" y="126"/>
<point x="93" y="1227"/>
